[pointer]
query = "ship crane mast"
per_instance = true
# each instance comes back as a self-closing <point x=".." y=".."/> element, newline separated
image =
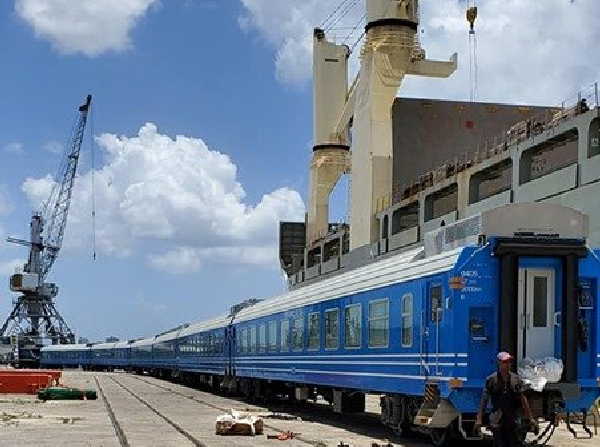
<point x="34" y="314"/>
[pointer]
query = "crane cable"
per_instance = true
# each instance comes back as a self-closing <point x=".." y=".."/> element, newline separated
<point x="349" y="7"/>
<point x="93" y="188"/>
<point x="473" y="67"/>
<point x="355" y="27"/>
<point x="334" y="12"/>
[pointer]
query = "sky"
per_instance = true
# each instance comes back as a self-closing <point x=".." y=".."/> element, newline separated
<point x="200" y="135"/>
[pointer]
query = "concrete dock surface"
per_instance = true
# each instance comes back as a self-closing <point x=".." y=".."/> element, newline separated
<point x="143" y="411"/>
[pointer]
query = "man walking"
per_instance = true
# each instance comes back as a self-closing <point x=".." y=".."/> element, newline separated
<point x="505" y="389"/>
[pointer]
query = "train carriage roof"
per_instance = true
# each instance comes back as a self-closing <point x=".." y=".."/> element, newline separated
<point x="143" y="342"/>
<point x="203" y="326"/>
<point x="172" y="335"/>
<point x="104" y="346"/>
<point x="403" y="267"/>
<point x="72" y="347"/>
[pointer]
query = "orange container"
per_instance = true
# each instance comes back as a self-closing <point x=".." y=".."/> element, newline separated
<point x="24" y="383"/>
<point x="55" y="374"/>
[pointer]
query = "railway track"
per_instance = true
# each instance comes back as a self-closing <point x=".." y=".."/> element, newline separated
<point x="111" y="414"/>
<point x="315" y="412"/>
<point x="195" y="441"/>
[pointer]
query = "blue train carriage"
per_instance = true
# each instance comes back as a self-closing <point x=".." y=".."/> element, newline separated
<point x="122" y="355"/>
<point x="103" y="356"/>
<point x="65" y="356"/>
<point x="355" y="333"/>
<point x="423" y="327"/>
<point x="165" y="354"/>
<point x="529" y="286"/>
<point x="203" y="352"/>
<point x="140" y="355"/>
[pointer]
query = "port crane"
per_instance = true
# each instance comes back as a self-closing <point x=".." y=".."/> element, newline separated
<point x="34" y="317"/>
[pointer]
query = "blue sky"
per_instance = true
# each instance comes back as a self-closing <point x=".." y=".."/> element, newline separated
<point x="192" y="71"/>
<point x="187" y="226"/>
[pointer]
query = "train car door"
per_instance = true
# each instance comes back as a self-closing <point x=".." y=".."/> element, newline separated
<point x="536" y="310"/>
<point x="431" y="321"/>
<point x="229" y="351"/>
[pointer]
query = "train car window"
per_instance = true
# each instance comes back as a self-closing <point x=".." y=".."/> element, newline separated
<point x="285" y="335"/>
<point x="353" y="326"/>
<point x="314" y="331"/>
<point x="262" y="338"/>
<point x="540" y="301"/>
<point x="379" y="323"/>
<point x="244" y="339"/>
<point x="332" y="328"/>
<point x="253" y="339"/>
<point x="238" y="341"/>
<point x="273" y="336"/>
<point x="298" y="334"/>
<point x="436" y="303"/>
<point x="407" y="320"/>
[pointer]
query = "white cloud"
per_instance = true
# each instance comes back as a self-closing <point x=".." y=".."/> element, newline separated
<point x="287" y="26"/>
<point x="176" y="196"/>
<point x="54" y="147"/>
<point x="14" y="148"/>
<point x="179" y="260"/>
<point x="529" y="50"/>
<point x="189" y="259"/>
<point x="91" y="27"/>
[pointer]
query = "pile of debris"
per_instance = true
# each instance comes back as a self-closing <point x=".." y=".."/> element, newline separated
<point x="241" y="424"/>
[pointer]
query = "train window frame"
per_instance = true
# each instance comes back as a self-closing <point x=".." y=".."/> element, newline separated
<point x="262" y="338"/>
<point x="385" y="318"/>
<point x="407" y="316"/>
<point x="243" y="340"/>
<point x="253" y="344"/>
<point x="337" y="331"/>
<point x="347" y="309"/>
<point x="437" y="314"/>
<point x="272" y="332"/>
<point x="297" y="323"/>
<point x="284" y="335"/>
<point x="311" y="318"/>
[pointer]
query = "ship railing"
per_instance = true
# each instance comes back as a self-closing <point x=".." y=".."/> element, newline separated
<point x="581" y="102"/>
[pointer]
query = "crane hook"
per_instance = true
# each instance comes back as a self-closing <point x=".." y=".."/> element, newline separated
<point x="471" y="17"/>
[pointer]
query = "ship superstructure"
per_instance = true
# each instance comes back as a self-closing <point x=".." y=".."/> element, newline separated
<point x="413" y="167"/>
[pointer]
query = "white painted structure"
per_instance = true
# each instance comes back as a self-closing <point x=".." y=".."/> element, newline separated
<point x="331" y="149"/>
<point x="391" y="51"/>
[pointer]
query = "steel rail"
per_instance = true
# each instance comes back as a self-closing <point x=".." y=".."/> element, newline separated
<point x="169" y="421"/>
<point x="226" y="410"/>
<point x="113" y="418"/>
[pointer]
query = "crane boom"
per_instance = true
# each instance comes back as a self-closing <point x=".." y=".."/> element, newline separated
<point x="59" y="210"/>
